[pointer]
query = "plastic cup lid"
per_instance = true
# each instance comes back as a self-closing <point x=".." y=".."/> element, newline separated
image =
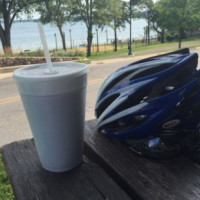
<point x="39" y="71"/>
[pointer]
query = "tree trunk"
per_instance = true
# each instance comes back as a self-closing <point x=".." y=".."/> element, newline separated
<point x="6" y="46"/>
<point x="146" y="34"/>
<point x="5" y="40"/>
<point x="148" y="28"/>
<point x="162" y="33"/>
<point x="162" y="36"/>
<point x="191" y="33"/>
<point x="180" y="38"/>
<point x="62" y="37"/>
<point x="5" y="34"/>
<point x="89" y="41"/>
<point x="115" y="35"/>
<point x="115" y="42"/>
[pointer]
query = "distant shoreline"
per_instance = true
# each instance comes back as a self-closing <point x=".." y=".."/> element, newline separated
<point x="25" y="34"/>
<point x="24" y="21"/>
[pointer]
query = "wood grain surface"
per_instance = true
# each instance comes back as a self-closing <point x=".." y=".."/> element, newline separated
<point x="31" y="182"/>
<point x="142" y="178"/>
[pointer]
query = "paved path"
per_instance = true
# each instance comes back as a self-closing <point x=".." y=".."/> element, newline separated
<point x="13" y="122"/>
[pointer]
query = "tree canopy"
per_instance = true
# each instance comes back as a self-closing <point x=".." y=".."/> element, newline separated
<point x="56" y="12"/>
<point x="177" y="16"/>
<point x="164" y="15"/>
<point x="116" y="16"/>
<point x="91" y="13"/>
<point x="9" y="10"/>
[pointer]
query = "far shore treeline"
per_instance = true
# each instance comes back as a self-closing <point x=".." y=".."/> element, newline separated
<point x="169" y="18"/>
<point x="23" y="20"/>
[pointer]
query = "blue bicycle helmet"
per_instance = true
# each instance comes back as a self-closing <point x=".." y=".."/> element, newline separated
<point x="153" y="104"/>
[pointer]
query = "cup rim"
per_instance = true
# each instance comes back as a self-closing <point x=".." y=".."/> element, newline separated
<point x="80" y="70"/>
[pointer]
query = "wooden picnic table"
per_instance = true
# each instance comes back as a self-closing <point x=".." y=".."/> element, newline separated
<point x="110" y="170"/>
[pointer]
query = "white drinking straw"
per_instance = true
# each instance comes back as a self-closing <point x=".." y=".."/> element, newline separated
<point x="46" y="51"/>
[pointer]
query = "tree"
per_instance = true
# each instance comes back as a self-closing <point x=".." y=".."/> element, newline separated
<point x="176" y="16"/>
<point x="181" y="15"/>
<point x="158" y="19"/>
<point x="91" y="12"/>
<point x="147" y="6"/>
<point x="56" y="12"/>
<point x="154" y="18"/>
<point x="9" y="10"/>
<point x="193" y="10"/>
<point x="117" y="16"/>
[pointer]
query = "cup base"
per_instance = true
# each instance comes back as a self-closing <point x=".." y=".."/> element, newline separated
<point x="63" y="169"/>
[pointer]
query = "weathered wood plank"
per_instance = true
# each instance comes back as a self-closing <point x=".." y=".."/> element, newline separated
<point x="173" y="179"/>
<point x="195" y="156"/>
<point x="31" y="182"/>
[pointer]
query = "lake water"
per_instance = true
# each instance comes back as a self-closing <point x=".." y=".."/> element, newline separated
<point x="25" y="36"/>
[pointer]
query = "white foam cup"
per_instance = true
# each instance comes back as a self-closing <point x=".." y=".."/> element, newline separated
<point x="55" y="108"/>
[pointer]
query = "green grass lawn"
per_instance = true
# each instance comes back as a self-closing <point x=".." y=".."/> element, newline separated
<point x="107" y="50"/>
<point x="6" y="192"/>
<point x="139" y="47"/>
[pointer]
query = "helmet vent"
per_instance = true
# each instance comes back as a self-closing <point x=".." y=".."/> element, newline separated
<point x="118" y="79"/>
<point x="115" y="127"/>
<point x="138" y="97"/>
<point x="146" y="71"/>
<point x="105" y="103"/>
